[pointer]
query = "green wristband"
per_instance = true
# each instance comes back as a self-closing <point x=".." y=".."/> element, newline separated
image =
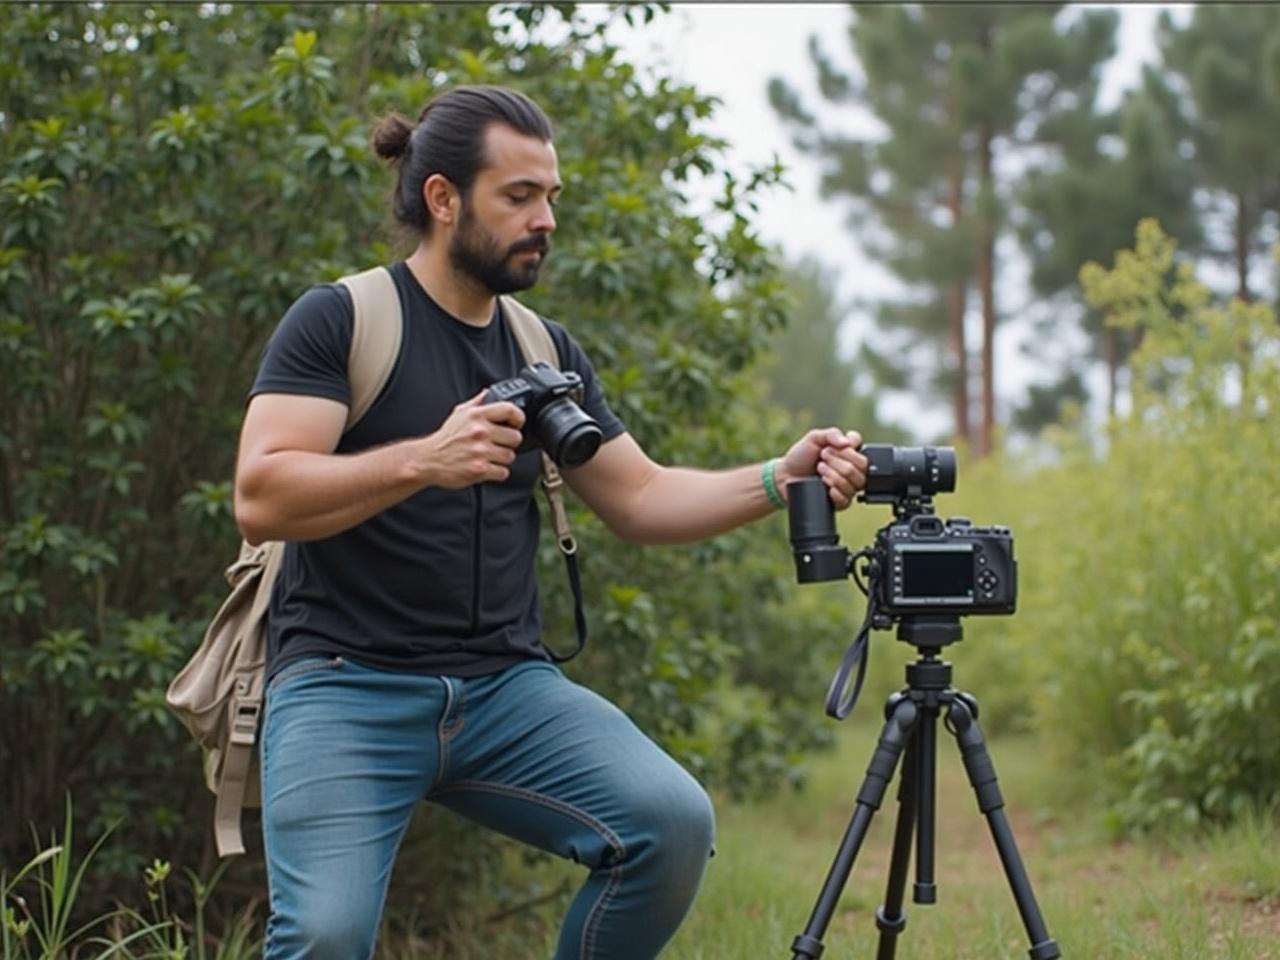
<point x="771" y="488"/>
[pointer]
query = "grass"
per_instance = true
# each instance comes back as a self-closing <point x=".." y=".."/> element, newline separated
<point x="1215" y="896"/>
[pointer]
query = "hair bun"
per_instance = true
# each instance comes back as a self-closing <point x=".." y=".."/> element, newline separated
<point x="391" y="137"/>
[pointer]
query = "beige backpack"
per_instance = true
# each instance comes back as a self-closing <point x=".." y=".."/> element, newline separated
<point x="218" y="694"/>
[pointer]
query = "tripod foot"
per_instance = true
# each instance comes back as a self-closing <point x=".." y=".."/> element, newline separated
<point x="1048" y="950"/>
<point x="806" y="946"/>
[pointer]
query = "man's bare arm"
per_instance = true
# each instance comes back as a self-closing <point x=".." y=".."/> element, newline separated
<point x="644" y="502"/>
<point x="291" y="485"/>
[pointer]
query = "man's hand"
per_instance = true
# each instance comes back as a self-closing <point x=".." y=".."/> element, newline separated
<point x="830" y="454"/>
<point x="476" y="444"/>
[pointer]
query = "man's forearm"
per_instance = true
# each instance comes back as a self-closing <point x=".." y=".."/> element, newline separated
<point x="681" y="505"/>
<point x="298" y="495"/>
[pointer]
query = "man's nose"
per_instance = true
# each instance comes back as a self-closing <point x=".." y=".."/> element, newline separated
<point x="544" y="220"/>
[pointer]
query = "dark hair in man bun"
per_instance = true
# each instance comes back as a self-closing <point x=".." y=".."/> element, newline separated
<point x="391" y="137"/>
<point x="449" y="140"/>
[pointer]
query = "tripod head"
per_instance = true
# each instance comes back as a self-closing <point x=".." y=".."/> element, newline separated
<point x="930" y="634"/>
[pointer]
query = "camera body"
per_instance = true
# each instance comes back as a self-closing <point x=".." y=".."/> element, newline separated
<point x="553" y="419"/>
<point x="929" y="566"/>
<point x="920" y="565"/>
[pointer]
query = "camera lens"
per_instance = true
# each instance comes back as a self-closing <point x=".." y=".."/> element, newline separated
<point x="569" y="435"/>
<point x="911" y="471"/>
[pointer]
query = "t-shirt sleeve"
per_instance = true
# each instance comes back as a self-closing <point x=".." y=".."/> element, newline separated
<point x="307" y="353"/>
<point x="573" y="357"/>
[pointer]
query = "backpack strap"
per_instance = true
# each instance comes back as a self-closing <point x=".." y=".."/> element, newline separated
<point x="536" y="344"/>
<point x="376" y="331"/>
<point x="236" y="781"/>
<point x="377" y="326"/>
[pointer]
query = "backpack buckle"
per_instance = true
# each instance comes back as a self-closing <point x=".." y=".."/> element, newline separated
<point x="244" y="722"/>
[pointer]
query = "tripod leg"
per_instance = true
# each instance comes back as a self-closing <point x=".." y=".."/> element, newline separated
<point x="926" y="743"/>
<point x="893" y="740"/>
<point x="982" y="777"/>
<point x="891" y="919"/>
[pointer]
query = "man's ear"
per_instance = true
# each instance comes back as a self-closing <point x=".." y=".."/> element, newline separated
<point x="442" y="199"/>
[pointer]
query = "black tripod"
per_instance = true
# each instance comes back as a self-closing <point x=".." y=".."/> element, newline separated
<point x="911" y="717"/>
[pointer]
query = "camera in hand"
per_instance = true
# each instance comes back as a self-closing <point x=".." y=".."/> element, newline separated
<point x="919" y="564"/>
<point x="553" y="419"/>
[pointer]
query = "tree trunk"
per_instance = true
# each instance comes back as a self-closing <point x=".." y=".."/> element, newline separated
<point x="955" y="316"/>
<point x="987" y="292"/>
<point x="1243" y="292"/>
<point x="1242" y="249"/>
<point x="1112" y="347"/>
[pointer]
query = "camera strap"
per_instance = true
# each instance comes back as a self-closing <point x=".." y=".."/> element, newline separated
<point x="536" y="344"/>
<point x="552" y="482"/>
<point x="839" y="702"/>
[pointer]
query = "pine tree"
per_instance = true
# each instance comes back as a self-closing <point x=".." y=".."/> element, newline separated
<point x="907" y="188"/>
<point x="958" y="89"/>
<point x="1226" y="61"/>
<point x="1107" y="172"/>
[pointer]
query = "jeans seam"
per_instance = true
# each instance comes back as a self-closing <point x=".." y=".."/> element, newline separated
<point x="449" y="731"/>
<point x="591" y="929"/>
<point x="611" y="838"/>
<point x="443" y="737"/>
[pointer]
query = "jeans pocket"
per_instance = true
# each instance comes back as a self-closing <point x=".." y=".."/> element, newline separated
<point x="304" y="666"/>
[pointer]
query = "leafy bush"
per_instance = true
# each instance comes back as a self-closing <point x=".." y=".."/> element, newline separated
<point x="173" y="177"/>
<point x="1145" y="649"/>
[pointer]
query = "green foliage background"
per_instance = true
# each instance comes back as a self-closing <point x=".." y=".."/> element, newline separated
<point x="1145" y="652"/>
<point x="173" y="177"/>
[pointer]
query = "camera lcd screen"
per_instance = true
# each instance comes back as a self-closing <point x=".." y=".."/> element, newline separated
<point x="937" y="574"/>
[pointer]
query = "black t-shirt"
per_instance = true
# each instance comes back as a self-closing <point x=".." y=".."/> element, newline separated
<point x="443" y="582"/>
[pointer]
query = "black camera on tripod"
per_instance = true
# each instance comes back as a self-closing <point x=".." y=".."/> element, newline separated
<point x="923" y="574"/>
<point x="919" y="563"/>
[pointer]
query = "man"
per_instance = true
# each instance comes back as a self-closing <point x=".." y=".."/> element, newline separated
<point x="406" y="657"/>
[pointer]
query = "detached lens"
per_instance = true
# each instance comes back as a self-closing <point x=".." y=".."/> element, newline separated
<point x="814" y="541"/>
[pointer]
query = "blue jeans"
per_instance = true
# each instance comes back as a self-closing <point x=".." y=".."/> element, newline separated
<point x="349" y="751"/>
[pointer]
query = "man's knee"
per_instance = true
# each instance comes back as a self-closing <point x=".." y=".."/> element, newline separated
<point x="676" y="821"/>
<point x="338" y="932"/>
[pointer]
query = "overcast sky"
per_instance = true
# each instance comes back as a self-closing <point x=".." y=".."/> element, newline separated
<point x="732" y="49"/>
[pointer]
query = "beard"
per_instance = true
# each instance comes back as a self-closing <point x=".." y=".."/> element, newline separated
<point x="477" y="253"/>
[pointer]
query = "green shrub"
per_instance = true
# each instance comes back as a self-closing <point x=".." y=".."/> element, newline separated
<point x="1146" y="646"/>
<point x="171" y="178"/>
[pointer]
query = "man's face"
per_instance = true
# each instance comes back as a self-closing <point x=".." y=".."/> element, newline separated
<point x="506" y="220"/>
